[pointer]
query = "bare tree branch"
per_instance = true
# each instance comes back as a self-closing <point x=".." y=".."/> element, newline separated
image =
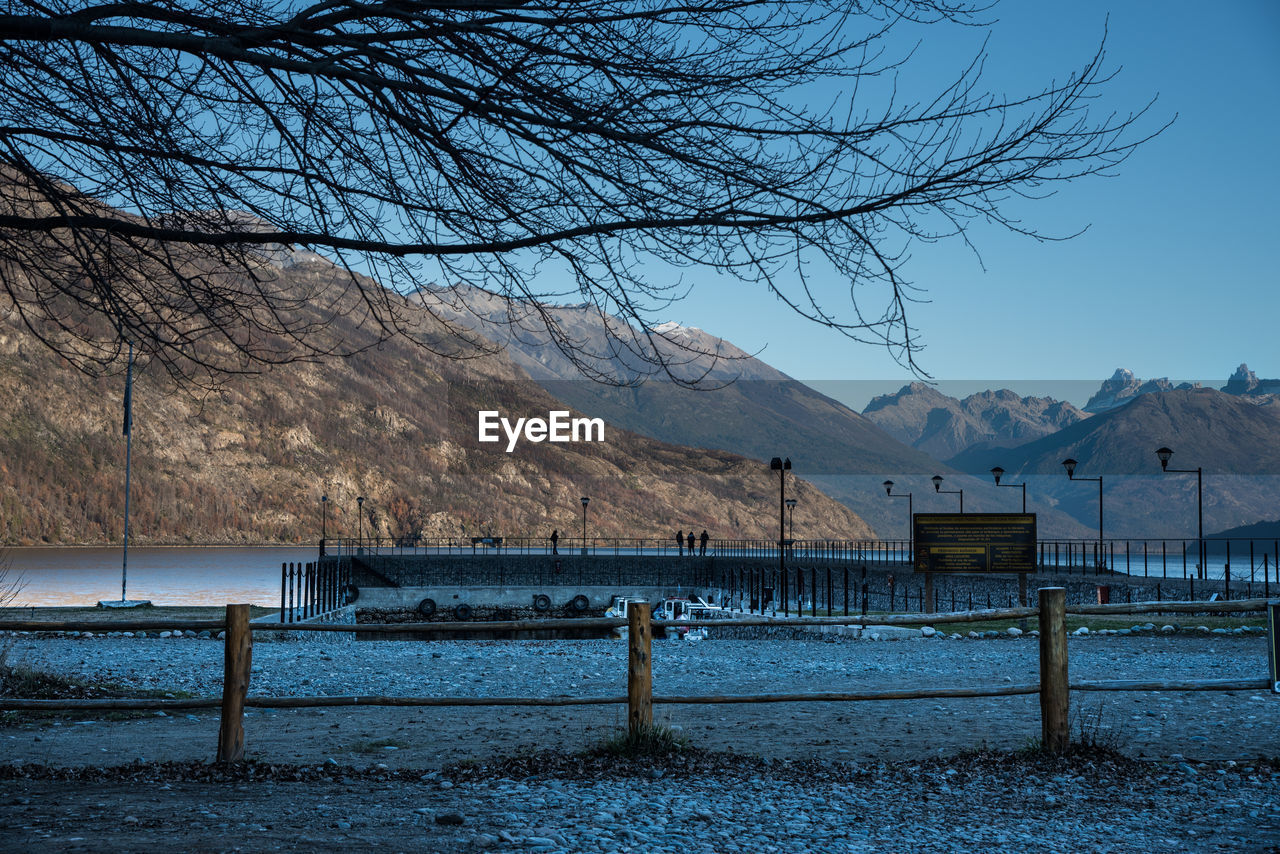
<point x="160" y="157"/>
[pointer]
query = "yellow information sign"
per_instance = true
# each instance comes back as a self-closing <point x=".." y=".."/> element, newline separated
<point x="975" y="542"/>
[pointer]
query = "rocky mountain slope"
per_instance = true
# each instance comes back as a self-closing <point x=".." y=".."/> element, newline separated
<point x="743" y="404"/>
<point x="249" y="460"/>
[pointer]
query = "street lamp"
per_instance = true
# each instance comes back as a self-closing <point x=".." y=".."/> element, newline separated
<point x="324" y="521"/>
<point x="359" y="523"/>
<point x="1070" y="465"/>
<point x="791" y="519"/>
<point x="911" y="534"/>
<point x="1164" y="454"/>
<point x="998" y="473"/>
<point x="937" y="487"/>
<point x="585" y="501"/>
<point x="782" y="466"/>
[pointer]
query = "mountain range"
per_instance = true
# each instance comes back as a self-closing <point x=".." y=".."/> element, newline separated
<point x="248" y="460"/>
<point x="1232" y="439"/>
<point x="943" y="426"/>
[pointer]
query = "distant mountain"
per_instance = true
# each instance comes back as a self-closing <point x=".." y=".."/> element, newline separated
<point x="943" y="426"/>
<point x="1124" y="386"/>
<point x="756" y="410"/>
<point x="1236" y="442"/>
<point x="1205" y="427"/>
<point x="1246" y="382"/>
<point x="1256" y="531"/>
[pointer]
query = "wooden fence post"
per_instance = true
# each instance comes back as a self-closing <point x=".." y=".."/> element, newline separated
<point x="639" y="669"/>
<point x="1054" y="692"/>
<point x="237" y="659"/>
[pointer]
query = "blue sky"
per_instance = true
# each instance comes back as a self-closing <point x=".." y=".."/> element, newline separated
<point x="1177" y="274"/>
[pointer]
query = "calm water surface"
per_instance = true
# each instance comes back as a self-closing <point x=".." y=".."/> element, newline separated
<point x="166" y="576"/>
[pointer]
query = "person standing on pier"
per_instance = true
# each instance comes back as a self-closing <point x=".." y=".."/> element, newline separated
<point x="680" y="541"/>
<point x="702" y="542"/>
<point x="690" y="542"/>
<point x="555" y="538"/>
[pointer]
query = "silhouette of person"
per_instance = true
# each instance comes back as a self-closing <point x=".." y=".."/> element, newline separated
<point x="680" y="541"/>
<point x="555" y="539"/>
<point x="690" y="542"/>
<point x="702" y="542"/>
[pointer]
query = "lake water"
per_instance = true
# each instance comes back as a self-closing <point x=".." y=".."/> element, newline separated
<point x="167" y="576"/>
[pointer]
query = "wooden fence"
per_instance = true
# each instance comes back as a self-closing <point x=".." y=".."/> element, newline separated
<point x="1053" y="687"/>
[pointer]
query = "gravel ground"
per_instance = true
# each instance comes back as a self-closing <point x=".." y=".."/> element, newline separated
<point x="1218" y="725"/>
<point x="806" y="777"/>
<point x="695" y="804"/>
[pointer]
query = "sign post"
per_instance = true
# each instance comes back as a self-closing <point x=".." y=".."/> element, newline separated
<point x="979" y="543"/>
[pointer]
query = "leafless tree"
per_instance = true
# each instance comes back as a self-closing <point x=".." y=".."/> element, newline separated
<point x="159" y="155"/>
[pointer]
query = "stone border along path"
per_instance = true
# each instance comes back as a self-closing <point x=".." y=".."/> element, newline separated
<point x="1210" y="725"/>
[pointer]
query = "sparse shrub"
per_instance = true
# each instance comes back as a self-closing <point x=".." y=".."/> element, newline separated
<point x="649" y="741"/>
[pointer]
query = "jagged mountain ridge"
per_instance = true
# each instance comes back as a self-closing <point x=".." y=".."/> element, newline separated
<point x="942" y="426"/>
<point x="1123" y="386"/>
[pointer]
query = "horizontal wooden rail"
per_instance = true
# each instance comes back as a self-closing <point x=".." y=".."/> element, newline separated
<point x="12" y="704"/>
<point x="151" y="704"/>
<point x="374" y="700"/>
<point x="116" y="626"/>
<point x="1237" y="606"/>
<point x="853" y="696"/>
<point x="1173" y="685"/>
<point x="131" y="704"/>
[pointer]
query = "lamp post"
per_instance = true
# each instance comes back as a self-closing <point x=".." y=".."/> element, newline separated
<point x="791" y="519"/>
<point x="937" y="487"/>
<point x="782" y="466"/>
<point x="911" y="516"/>
<point x="998" y="473"/>
<point x="585" y="501"/>
<point x="1164" y="454"/>
<point x="1070" y="465"/>
<point x="324" y="521"/>
<point x="359" y="524"/>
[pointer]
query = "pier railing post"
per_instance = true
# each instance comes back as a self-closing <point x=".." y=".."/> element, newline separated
<point x="1054" y="692"/>
<point x="237" y="659"/>
<point x="639" y="669"/>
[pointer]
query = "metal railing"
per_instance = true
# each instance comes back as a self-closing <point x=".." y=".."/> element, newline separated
<point x="1226" y="558"/>
<point x="310" y="589"/>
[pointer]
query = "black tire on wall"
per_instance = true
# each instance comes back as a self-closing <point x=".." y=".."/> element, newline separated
<point x="579" y="603"/>
<point x="542" y="602"/>
<point x="462" y="612"/>
<point x="427" y="607"/>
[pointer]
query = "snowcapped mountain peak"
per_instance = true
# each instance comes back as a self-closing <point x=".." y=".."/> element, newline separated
<point x="671" y="328"/>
